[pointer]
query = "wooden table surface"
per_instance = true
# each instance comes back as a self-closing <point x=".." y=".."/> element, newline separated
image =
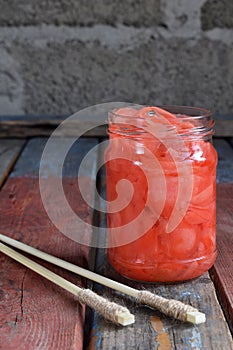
<point x="36" y="315"/>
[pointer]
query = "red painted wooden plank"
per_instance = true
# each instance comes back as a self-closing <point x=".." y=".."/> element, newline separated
<point x="34" y="313"/>
<point x="223" y="268"/>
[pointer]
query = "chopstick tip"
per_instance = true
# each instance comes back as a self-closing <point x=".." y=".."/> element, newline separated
<point x="125" y="318"/>
<point x="195" y="317"/>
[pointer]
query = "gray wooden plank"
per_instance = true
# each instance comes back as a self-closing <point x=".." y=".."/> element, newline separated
<point x="225" y="161"/>
<point x="9" y="152"/>
<point x="153" y="330"/>
<point x="38" y="126"/>
<point x="29" y="163"/>
<point x="224" y="149"/>
<point x="28" y="126"/>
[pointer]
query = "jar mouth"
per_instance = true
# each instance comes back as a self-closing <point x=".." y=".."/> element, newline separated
<point x="189" y="111"/>
<point x="136" y="120"/>
<point x="181" y="111"/>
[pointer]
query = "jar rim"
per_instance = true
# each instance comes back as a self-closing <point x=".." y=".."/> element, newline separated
<point x="182" y="110"/>
<point x="200" y="118"/>
<point x="202" y="112"/>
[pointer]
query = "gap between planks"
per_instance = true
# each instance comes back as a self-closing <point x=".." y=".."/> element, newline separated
<point x="10" y="151"/>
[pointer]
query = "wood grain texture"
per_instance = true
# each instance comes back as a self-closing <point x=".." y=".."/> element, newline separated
<point x="34" y="313"/>
<point x="28" y="126"/>
<point x="31" y="126"/>
<point x="9" y="152"/>
<point x="29" y="162"/>
<point x="225" y="160"/>
<point x="223" y="268"/>
<point x="153" y="330"/>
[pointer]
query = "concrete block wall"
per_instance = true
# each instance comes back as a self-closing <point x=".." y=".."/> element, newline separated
<point x="57" y="56"/>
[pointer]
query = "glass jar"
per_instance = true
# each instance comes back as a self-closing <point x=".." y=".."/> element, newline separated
<point x="162" y="216"/>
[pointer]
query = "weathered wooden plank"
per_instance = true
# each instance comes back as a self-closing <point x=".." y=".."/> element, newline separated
<point x="224" y="128"/>
<point x="28" y="126"/>
<point x="9" y="151"/>
<point x="153" y="330"/>
<point x="34" y="313"/>
<point x="225" y="160"/>
<point x="223" y="268"/>
<point x="28" y="164"/>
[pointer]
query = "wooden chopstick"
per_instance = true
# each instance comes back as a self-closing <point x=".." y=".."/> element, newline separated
<point x="111" y="311"/>
<point x="169" y="307"/>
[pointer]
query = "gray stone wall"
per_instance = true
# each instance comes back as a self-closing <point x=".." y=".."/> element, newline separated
<point x="57" y="56"/>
